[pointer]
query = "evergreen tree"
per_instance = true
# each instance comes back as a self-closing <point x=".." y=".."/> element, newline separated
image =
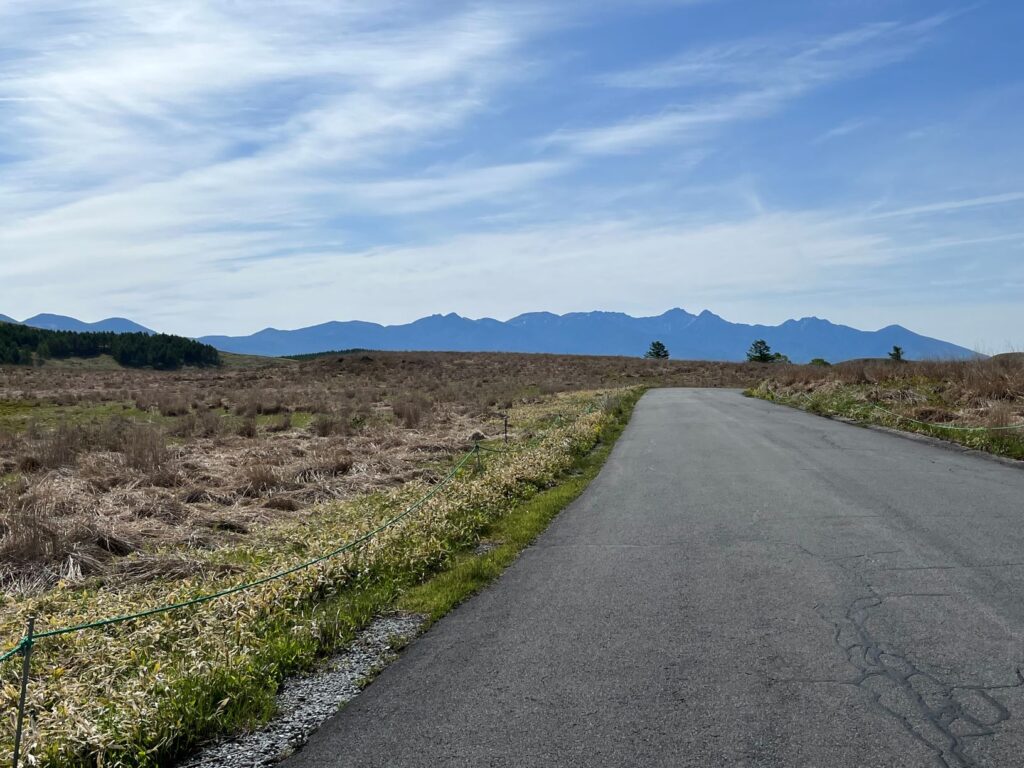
<point x="657" y="351"/>
<point x="897" y="354"/>
<point x="760" y="352"/>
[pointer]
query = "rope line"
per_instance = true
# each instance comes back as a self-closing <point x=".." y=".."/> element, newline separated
<point x="499" y="451"/>
<point x="24" y="642"/>
<point x="947" y="426"/>
<point x="15" y="650"/>
<point x="952" y="427"/>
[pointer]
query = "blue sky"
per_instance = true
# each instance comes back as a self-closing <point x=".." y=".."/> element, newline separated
<point x="211" y="166"/>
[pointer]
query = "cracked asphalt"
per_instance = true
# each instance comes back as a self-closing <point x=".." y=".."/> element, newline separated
<point x="743" y="585"/>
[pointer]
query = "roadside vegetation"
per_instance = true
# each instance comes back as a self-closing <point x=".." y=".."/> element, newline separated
<point x="977" y="403"/>
<point x="501" y="540"/>
<point x="143" y="692"/>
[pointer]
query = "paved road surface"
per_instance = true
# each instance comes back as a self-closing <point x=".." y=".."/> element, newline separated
<point x="743" y="585"/>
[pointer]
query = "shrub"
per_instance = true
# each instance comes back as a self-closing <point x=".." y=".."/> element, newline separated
<point x="410" y="409"/>
<point x="260" y="478"/>
<point x="247" y="427"/>
<point x="60" y="448"/>
<point x="145" y="447"/>
<point x="281" y="424"/>
<point x="327" y="424"/>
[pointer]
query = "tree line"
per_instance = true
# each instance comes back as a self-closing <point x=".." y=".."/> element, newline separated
<point x="22" y="345"/>
<point x="760" y="352"/>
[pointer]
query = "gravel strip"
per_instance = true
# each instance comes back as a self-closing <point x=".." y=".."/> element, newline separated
<point x="305" y="702"/>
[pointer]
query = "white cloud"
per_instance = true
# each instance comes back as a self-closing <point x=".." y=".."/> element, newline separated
<point x="452" y="188"/>
<point x="843" y="129"/>
<point x="949" y="206"/>
<point x="157" y="141"/>
<point x="119" y="94"/>
<point x="680" y="124"/>
<point x="482" y="273"/>
<point x="748" y="80"/>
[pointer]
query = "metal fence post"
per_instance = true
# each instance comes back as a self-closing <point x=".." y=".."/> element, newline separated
<point x="26" y="666"/>
<point x="505" y="415"/>
<point x="476" y="450"/>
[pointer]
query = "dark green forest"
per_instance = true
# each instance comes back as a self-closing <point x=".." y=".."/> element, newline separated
<point x="315" y="355"/>
<point x="22" y="345"/>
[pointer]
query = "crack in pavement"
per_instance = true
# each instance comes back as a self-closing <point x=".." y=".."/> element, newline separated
<point x="939" y="714"/>
<point x="928" y="707"/>
<point x="950" y="567"/>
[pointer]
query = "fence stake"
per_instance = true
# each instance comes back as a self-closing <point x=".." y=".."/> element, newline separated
<point x="505" y="415"/>
<point x="26" y="663"/>
<point x="476" y="450"/>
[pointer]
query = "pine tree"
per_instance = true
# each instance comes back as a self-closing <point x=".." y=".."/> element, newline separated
<point x="657" y="351"/>
<point x="760" y="352"/>
<point x="897" y="354"/>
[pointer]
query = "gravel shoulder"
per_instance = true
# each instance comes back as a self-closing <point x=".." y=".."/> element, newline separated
<point x="306" y="701"/>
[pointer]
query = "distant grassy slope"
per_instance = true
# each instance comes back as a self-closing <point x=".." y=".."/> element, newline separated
<point x="234" y="360"/>
<point x="108" y="363"/>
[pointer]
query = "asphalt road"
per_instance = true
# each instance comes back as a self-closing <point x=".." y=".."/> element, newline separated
<point x="743" y="585"/>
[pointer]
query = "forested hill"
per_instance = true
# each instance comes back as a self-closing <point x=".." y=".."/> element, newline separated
<point x="22" y="345"/>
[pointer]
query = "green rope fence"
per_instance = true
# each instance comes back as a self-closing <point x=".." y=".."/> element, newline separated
<point x="30" y="638"/>
<point x="954" y="427"/>
<point x="14" y="651"/>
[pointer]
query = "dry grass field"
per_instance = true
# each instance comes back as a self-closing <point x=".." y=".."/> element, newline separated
<point x="977" y="403"/>
<point x="98" y="462"/>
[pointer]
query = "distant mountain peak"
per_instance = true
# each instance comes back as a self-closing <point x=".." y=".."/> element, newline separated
<point x="51" y="322"/>
<point x="676" y="312"/>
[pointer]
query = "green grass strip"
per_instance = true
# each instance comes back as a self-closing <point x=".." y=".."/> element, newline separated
<point x="468" y="572"/>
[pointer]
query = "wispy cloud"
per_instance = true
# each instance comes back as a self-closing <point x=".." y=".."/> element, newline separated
<point x="745" y="80"/>
<point x="212" y="133"/>
<point x="116" y="94"/>
<point x="774" y="61"/>
<point x="453" y="187"/>
<point x="949" y="206"/>
<point x="843" y="129"/>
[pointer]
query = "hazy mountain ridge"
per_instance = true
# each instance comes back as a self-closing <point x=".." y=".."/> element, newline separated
<point x="48" y="322"/>
<point x="703" y="336"/>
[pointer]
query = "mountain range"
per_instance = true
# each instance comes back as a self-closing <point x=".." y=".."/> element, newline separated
<point x="705" y="336"/>
<point x="63" y="323"/>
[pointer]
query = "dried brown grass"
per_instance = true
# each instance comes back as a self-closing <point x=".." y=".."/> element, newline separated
<point x="111" y="462"/>
<point x="985" y="392"/>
